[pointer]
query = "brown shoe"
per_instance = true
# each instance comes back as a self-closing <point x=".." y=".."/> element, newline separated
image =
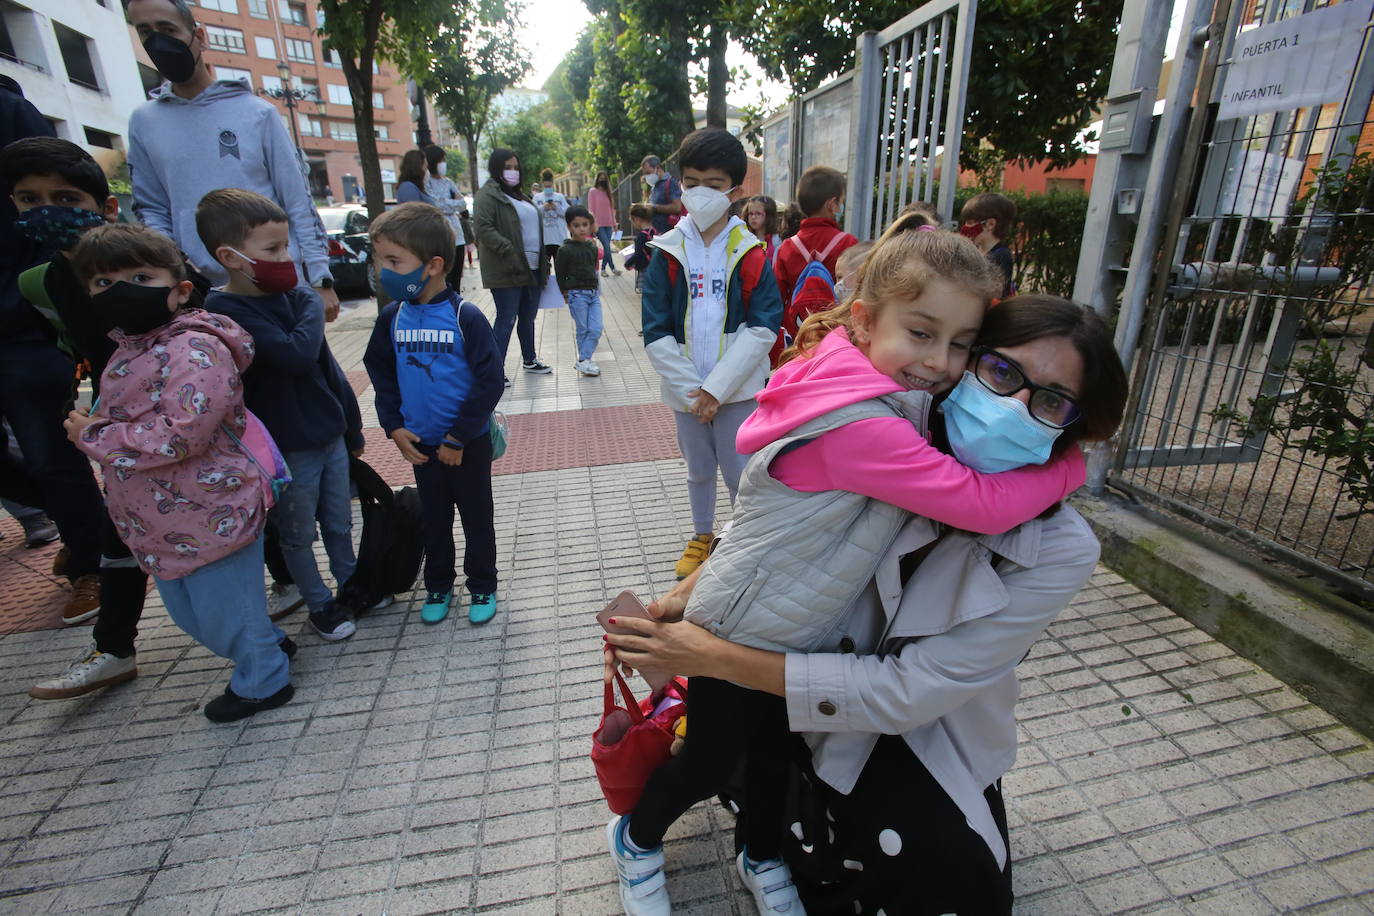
<point x="60" y="561"/>
<point x="85" y="600"/>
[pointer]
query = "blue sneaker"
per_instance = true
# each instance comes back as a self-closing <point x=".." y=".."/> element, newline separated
<point x="643" y="887"/>
<point x="436" y="606"/>
<point x="482" y="608"/>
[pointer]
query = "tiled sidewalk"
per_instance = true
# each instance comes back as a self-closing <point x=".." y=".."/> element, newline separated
<point x="443" y="769"/>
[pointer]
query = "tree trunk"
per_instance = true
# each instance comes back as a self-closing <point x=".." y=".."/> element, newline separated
<point x="471" y="140"/>
<point x="717" y="75"/>
<point x="358" y="75"/>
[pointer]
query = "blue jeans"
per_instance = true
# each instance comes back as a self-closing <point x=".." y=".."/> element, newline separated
<point x="35" y="394"/>
<point x="585" y="307"/>
<point x="319" y="491"/>
<point x="516" y="303"/>
<point x="604" y="233"/>
<point x="223" y="607"/>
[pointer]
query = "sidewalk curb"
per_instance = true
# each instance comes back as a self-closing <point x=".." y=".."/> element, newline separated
<point x="1314" y="641"/>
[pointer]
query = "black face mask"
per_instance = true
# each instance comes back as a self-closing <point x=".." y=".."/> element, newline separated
<point x="133" y="309"/>
<point x="173" y="58"/>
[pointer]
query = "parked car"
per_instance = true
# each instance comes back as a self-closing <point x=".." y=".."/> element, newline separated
<point x="350" y="250"/>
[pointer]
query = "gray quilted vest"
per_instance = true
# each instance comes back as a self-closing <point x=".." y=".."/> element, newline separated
<point x="793" y="562"/>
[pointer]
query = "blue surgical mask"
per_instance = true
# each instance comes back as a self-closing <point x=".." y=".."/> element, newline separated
<point x="991" y="432"/>
<point x="402" y="287"/>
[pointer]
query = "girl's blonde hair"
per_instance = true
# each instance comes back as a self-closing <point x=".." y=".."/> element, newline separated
<point x="909" y="255"/>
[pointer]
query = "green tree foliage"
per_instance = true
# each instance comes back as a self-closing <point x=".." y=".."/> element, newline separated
<point x="1045" y="240"/>
<point x="363" y="32"/>
<point x="1040" y="67"/>
<point x="470" y="63"/>
<point x="534" y="139"/>
<point x="569" y="84"/>
<point x="457" y="165"/>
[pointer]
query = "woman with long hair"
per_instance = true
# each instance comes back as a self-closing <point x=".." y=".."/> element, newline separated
<point x="515" y="263"/>
<point x="603" y="212"/>
<point x="410" y="183"/>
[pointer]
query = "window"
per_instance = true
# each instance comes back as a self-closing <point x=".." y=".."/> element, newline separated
<point x="222" y="39"/>
<point x="232" y="73"/>
<point x="258" y="9"/>
<point x="271" y="83"/>
<point x="224" y="6"/>
<point x="382" y="132"/>
<point x="291" y="12"/>
<point x="339" y="95"/>
<point x="266" y="47"/>
<point x="101" y="138"/>
<point x="76" y="56"/>
<point x="378" y="100"/>
<point x="309" y="126"/>
<point x="331" y="58"/>
<point x="343" y="130"/>
<point x="300" y="51"/>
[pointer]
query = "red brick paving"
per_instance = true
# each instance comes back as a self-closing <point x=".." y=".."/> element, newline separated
<point x="31" y="597"/>
<point x="551" y="441"/>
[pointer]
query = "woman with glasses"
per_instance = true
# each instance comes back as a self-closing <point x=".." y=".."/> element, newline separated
<point x="904" y="716"/>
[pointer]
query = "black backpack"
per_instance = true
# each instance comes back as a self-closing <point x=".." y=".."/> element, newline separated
<point x="392" y="545"/>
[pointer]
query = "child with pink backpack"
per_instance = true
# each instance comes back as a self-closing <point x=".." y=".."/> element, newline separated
<point x="189" y="473"/>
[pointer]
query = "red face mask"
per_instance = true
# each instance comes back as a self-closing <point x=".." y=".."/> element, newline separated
<point x="271" y="276"/>
<point x="971" y="231"/>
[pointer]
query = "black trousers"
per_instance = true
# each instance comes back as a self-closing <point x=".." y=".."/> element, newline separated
<point x="728" y="726"/>
<point x="455" y="273"/>
<point x="468" y="488"/>
<point x="123" y="588"/>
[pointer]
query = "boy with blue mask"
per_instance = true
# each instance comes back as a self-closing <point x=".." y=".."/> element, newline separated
<point x="437" y="374"/>
<point x="294" y="386"/>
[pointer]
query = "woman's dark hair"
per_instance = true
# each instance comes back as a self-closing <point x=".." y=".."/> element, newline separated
<point x="791" y="221"/>
<point x="770" y="213"/>
<point x="433" y="156"/>
<point x="603" y="181"/>
<point x="546" y="176"/>
<point x="714" y="148"/>
<point x="413" y="168"/>
<point x="496" y="164"/>
<point x="1102" y="395"/>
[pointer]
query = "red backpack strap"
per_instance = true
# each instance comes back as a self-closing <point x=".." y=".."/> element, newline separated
<point x="750" y="270"/>
<point x="673" y="268"/>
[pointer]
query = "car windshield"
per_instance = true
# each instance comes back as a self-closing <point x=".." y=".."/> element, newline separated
<point x="333" y="219"/>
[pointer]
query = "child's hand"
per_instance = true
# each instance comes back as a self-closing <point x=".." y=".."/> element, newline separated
<point x="76" y="423"/>
<point x="704" y="405"/>
<point x="405" y="441"/>
<point x="450" y="456"/>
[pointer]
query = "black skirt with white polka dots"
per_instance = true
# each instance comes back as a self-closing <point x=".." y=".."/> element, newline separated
<point x="895" y="845"/>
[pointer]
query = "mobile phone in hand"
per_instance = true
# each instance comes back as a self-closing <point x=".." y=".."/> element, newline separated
<point x="627" y="604"/>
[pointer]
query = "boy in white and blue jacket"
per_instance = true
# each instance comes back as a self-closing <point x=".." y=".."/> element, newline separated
<point x="437" y="375"/>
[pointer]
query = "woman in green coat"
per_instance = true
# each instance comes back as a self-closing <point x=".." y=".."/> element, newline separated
<point x="510" y="245"/>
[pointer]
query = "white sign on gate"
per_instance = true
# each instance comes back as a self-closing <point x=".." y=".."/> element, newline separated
<point x="1296" y="63"/>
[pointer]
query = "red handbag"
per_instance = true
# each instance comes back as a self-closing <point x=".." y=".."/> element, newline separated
<point x="632" y="741"/>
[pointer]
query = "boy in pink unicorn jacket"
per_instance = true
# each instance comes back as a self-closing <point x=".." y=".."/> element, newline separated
<point x="185" y="498"/>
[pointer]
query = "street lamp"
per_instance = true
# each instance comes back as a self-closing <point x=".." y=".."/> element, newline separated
<point x="291" y="96"/>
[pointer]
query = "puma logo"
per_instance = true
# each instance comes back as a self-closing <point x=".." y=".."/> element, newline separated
<point x="412" y="361"/>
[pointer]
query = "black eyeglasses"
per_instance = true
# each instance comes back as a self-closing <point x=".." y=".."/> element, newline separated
<point x="1003" y="376"/>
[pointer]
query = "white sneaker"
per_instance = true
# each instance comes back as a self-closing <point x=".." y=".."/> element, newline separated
<point x="587" y="367"/>
<point x="386" y="601"/>
<point x="770" y="881"/>
<point x="95" y="670"/>
<point x="643" y="888"/>
<point x="282" y="600"/>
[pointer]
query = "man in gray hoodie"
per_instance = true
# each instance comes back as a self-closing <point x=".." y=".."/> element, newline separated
<point x="198" y="135"/>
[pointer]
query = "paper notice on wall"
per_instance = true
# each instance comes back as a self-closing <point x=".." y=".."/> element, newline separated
<point x="1296" y="63"/>
<point x="1259" y="186"/>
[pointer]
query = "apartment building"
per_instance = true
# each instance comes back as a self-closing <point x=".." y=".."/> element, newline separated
<point x="272" y="43"/>
<point x="74" y="62"/>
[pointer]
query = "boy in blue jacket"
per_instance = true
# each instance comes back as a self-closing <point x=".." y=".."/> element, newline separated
<point x="294" y="386"/>
<point x="437" y="375"/>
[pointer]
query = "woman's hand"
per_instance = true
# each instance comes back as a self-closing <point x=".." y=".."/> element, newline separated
<point x="676" y="648"/>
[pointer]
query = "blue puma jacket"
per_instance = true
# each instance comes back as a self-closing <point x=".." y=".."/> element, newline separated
<point x="435" y="369"/>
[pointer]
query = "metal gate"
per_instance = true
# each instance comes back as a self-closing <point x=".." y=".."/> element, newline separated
<point x="1251" y="397"/>
<point x="892" y="124"/>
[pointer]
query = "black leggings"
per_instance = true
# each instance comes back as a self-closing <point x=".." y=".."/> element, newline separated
<point x="727" y="726"/>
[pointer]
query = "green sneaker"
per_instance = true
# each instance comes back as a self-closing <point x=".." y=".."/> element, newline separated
<point x="436" y="607"/>
<point x="482" y="608"/>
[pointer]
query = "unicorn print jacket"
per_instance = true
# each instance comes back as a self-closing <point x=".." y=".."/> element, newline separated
<point x="178" y="489"/>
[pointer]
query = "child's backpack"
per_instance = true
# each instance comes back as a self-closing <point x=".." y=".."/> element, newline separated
<point x="392" y="543"/>
<point x="814" y="290"/>
<point x="750" y="270"/>
<point x="259" y="447"/>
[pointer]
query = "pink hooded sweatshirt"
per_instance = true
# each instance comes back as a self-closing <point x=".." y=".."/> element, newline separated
<point x="887" y="458"/>
<point x="178" y="489"/>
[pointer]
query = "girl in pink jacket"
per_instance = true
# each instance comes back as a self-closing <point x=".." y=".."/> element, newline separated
<point x="183" y="493"/>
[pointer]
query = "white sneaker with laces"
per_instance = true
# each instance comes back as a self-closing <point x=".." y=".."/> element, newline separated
<point x="770" y="881"/>
<point x="282" y="600"/>
<point x="643" y="888"/>
<point x="587" y="367"/>
<point x="95" y="670"/>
